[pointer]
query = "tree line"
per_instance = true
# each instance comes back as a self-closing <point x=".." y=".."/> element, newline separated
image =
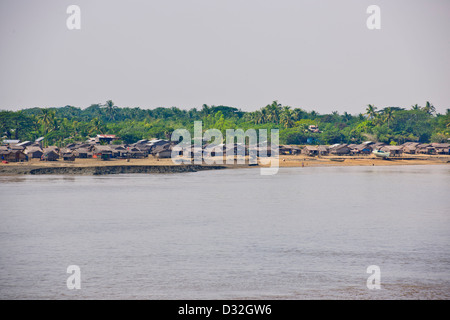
<point x="64" y="125"/>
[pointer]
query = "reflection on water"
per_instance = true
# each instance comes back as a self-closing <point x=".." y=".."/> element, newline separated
<point x="303" y="233"/>
<point x="12" y="179"/>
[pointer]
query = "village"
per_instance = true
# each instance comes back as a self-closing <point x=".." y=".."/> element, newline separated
<point x="103" y="148"/>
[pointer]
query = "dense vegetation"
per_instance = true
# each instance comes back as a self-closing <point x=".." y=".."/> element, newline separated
<point x="67" y="124"/>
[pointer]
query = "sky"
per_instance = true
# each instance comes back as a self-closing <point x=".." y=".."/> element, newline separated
<point x="315" y="55"/>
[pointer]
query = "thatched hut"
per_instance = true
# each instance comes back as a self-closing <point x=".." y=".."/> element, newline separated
<point x="68" y="155"/>
<point x="340" y="149"/>
<point x="410" y="147"/>
<point x="425" y="149"/>
<point x="364" y="148"/>
<point x="296" y="150"/>
<point x="310" y="151"/>
<point x="136" y="153"/>
<point x="4" y="154"/>
<point x="394" y="151"/>
<point x="441" y="148"/>
<point x="13" y="155"/>
<point x="285" y="149"/>
<point x="50" y="155"/>
<point x="119" y="151"/>
<point x="81" y="153"/>
<point x="323" y="150"/>
<point x="102" y="152"/>
<point x="162" y="151"/>
<point x="34" y="152"/>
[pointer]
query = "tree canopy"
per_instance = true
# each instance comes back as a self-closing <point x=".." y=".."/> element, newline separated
<point x="67" y="124"/>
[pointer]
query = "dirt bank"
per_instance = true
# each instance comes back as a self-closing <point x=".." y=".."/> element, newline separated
<point x="151" y="165"/>
<point x="101" y="170"/>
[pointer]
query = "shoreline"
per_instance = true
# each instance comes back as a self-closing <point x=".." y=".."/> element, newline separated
<point x="104" y="170"/>
<point x="164" y="166"/>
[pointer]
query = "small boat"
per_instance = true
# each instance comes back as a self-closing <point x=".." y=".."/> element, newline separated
<point x="338" y="160"/>
<point x="381" y="154"/>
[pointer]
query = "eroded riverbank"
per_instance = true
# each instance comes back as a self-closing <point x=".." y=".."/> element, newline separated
<point x="102" y="170"/>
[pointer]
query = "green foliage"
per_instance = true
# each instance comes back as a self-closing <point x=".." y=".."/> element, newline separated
<point x="69" y="124"/>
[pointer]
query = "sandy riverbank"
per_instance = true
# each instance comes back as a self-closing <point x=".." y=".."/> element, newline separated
<point x="347" y="161"/>
<point x="153" y="165"/>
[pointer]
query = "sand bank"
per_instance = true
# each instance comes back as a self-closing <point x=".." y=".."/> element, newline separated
<point x="153" y="165"/>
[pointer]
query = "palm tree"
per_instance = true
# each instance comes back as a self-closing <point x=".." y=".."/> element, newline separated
<point x="110" y="109"/>
<point x="429" y="108"/>
<point x="297" y="114"/>
<point x="273" y="112"/>
<point x="388" y="115"/>
<point x="371" y="111"/>
<point x="286" y="117"/>
<point x="205" y="110"/>
<point x="415" y="107"/>
<point x="346" y="116"/>
<point x="46" y="119"/>
<point x="55" y="125"/>
<point x="259" y="117"/>
<point x="96" y="126"/>
<point x="256" y="117"/>
<point x="265" y="115"/>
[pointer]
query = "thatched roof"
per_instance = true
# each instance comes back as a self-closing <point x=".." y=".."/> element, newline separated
<point x="118" y="147"/>
<point x="161" y="148"/>
<point x="363" y="146"/>
<point x="50" y="152"/>
<point x="81" y="150"/>
<point x="394" y="148"/>
<point x="424" y="145"/>
<point x="30" y="150"/>
<point x="51" y="148"/>
<point x="17" y="147"/>
<point x="441" y="145"/>
<point x="100" y="148"/>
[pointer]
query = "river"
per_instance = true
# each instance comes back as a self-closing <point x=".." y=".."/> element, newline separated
<point x="304" y="233"/>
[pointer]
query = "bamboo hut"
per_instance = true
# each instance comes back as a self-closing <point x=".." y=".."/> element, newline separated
<point x="323" y="150"/>
<point x="34" y="152"/>
<point x="340" y="149"/>
<point x="81" y="153"/>
<point x="310" y="151"/>
<point x="50" y="155"/>
<point x="102" y="152"/>
<point x="13" y="155"/>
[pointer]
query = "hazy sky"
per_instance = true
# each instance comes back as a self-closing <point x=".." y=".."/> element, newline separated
<point x="244" y="53"/>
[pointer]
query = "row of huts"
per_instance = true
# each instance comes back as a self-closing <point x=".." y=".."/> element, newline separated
<point x="95" y="148"/>
<point x="368" y="147"/>
<point x="16" y="152"/>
